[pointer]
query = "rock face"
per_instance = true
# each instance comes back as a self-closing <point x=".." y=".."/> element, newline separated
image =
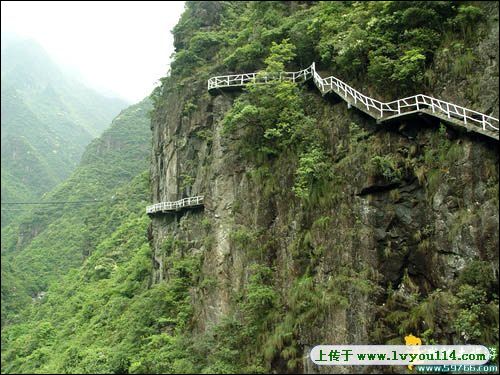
<point x="441" y="214"/>
<point x="478" y="87"/>
<point x="410" y="207"/>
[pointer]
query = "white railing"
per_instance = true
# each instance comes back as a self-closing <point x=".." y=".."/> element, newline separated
<point x="377" y="109"/>
<point x="175" y="205"/>
<point x="238" y="80"/>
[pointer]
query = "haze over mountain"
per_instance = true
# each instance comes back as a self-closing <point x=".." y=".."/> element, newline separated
<point x="47" y="120"/>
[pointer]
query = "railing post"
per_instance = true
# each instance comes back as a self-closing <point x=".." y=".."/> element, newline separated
<point x="448" y="110"/>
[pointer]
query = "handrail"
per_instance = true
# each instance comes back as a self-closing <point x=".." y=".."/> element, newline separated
<point x="469" y="118"/>
<point x="175" y="205"/>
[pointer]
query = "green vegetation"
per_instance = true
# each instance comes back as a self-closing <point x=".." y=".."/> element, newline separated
<point x="392" y="43"/>
<point x="303" y="254"/>
<point x="468" y="311"/>
<point x="386" y="166"/>
<point x="85" y="271"/>
<point x="275" y="123"/>
<point x="42" y="244"/>
<point x="47" y="121"/>
<point x="85" y="305"/>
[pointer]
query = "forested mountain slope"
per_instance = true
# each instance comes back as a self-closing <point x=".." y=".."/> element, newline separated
<point x="47" y="120"/>
<point x="319" y="225"/>
<point x="42" y="245"/>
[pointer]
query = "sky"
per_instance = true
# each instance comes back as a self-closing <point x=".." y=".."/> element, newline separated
<point x="121" y="48"/>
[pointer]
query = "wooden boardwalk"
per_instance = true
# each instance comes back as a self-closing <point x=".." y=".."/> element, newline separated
<point x="448" y="112"/>
<point x="175" y="206"/>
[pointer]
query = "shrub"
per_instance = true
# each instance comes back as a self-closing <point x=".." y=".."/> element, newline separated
<point x="387" y="167"/>
<point x="468" y="17"/>
<point x="409" y="70"/>
<point x="185" y="61"/>
<point x="313" y="166"/>
<point x="380" y="69"/>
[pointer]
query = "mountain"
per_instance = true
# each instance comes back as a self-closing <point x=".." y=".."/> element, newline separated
<point x="44" y="243"/>
<point x="47" y="119"/>
<point x="319" y="224"/>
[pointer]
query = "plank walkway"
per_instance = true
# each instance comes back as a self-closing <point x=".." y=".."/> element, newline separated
<point x="175" y="206"/>
<point x="448" y="112"/>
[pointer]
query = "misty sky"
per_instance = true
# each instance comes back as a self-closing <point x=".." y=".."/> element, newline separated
<point x="117" y="47"/>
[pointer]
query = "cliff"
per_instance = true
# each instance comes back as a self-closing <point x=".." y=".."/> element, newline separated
<point x="394" y="232"/>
